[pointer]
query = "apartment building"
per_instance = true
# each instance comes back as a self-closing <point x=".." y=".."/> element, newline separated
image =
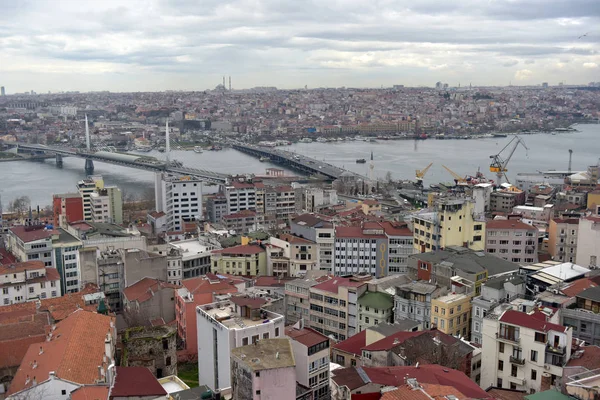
<point x="180" y="198"/>
<point x="400" y="246"/>
<point x="264" y="370"/>
<point x="562" y="239"/>
<point x="32" y="243"/>
<point x="311" y="352"/>
<point x="451" y="314"/>
<point x="314" y="198"/>
<point x="69" y="205"/>
<point x="297" y="294"/>
<point x="284" y="202"/>
<point x="85" y="188"/>
<point x="26" y="281"/>
<point x="216" y="207"/>
<point x="241" y="222"/>
<point x="302" y="253"/>
<point x="452" y="222"/>
<point x="66" y="260"/>
<point x="504" y="201"/>
<point x="195" y="256"/>
<point x="319" y="231"/>
<point x="247" y="260"/>
<point x="583" y="316"/>
<point x="512" y="240"/>
<point x="537" y="216"/>
<point x="374" y="308"/>
<point x="413" y="301"/>
<point x="226" y="325"/>
<point x="588" y="237"/>
<point x="107" y="205"/>
<point x="520" y="350"/>
<point x="334" y="308"/>
<point x="494" y="291"/>
<point x="240" y="196"/>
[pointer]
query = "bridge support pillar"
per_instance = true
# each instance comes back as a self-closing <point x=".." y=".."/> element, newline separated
<point x="89" y="166"/>
<point x="59" y="160"/>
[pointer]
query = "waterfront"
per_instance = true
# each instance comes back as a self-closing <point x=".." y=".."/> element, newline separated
<point x="39" y="180"/>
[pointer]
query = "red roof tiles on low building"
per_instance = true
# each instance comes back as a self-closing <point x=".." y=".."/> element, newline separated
<point x="354" y="344"/>
<point x="535" y="321"/>
<point x="145" y="288"/>
<point x="135" y="382"/>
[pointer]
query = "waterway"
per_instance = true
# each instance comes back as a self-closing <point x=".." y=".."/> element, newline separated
<point x="39" y="180"/>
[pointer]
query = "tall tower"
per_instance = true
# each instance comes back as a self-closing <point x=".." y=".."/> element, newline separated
<point x="230" y="83"/>
<point x="2" y="91"/>
<point x="224" y="87"/>
<point x="88" y="144"/>
<point x="167" y="142"/>
<point x="371" y="168"/>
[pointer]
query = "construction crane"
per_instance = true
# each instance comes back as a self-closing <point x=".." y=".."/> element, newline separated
<point x="419" y="174"/>
<point x="459" y="180"/>
<point x="499" y="164"/>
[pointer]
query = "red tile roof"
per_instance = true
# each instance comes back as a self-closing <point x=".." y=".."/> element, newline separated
<point x="271" y="281"/>
<point x="353" y="344"/>
<point x="90" y="393"/>
<point x="248" y="249"/>
<point x="306" y="336"/>
<point x="574" y="288"/>
<point x="507" y="394"/>
<point x="590" y="358"/>
<point x="135" y="382"/>
<point x="75" y="351"/>
<point x="244" y="301"/>
<point x="61" y="307"/>
<point x="145" y="288"/>
<point x="388" y="342"/>
<point x="569" y="221"/>
<point x="509" y="224"/>
<point x="22" y="266"/>
<point x="535" y="321"/>
<point x="6" y="258"/>
<point x="32" y="233"/>
<point x="294" y="239"/>
<point x="333" y="284"/>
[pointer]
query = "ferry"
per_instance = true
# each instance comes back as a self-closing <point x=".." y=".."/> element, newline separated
<point x="361" y="161"/>
<point x="263" y="159"/>
<point x="500" y="135"/>
<point x="322" y="140"/>
<point x="306" y="140"/>
<point x="197" y="149"/>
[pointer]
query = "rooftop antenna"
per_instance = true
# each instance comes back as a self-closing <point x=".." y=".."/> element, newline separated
<point x="167" y="142"/>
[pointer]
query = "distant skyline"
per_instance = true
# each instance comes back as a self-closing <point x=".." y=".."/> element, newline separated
<point x="162" y="45"/>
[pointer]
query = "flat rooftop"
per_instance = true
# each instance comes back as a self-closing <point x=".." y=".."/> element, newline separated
<point x="191" y="248"/>
<point x="225" y="312"/>
<point x="451" y="298"/>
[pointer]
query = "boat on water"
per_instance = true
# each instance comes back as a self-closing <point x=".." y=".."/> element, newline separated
<point x="215" y="148"/>
<point x="263" y="159"/>
<point x="161" y="149"/>
<point x="499" y="135"/>
<point x="322" y="140"/>
<point x="306" y="140"/>
<point x="197" y="149"/>
<point x="361" y="161"/>
<point x="143" y="149"/>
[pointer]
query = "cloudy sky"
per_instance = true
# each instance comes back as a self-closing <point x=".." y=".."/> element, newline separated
<point x="190" y="44"/>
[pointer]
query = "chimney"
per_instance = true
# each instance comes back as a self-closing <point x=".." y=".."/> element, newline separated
<point x="100" y="379"/>
<point x="41" y="350"/>
<point x="34" y="365"/>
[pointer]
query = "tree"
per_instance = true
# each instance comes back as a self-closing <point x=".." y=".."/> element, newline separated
<point x="20" y="205"/>
<point x="428" y="349"/>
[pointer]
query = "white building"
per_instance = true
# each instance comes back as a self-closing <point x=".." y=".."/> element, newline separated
<point x="539" y="216"/>
<point x="588" y="238"/>
<point x="27" y="281"/>
<point x="85" y="188"/>
<point x="195" y="256"/>
<point x="315" y="198"/>
<point x="521" y="350"/>
<point x="100" y="207"/>
<point x="240" y="196"/>
<point x="180" y="198"/>
<point x="32" y="243"/>
<point x="225" y="325"/>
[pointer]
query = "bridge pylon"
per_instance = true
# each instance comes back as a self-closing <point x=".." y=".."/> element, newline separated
<point x="89" y="166"/>
<point x="59" y="160"/>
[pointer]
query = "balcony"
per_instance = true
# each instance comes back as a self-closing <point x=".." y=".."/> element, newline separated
<point x="516" y="360"/>
<point x="510" y="339"/>
<point x="560" y="350"/>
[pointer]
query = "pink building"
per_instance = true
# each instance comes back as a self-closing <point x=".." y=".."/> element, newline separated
<point x="264" y="370"/>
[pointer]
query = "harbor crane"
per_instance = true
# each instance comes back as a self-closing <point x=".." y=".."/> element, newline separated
<point x="459" y="180"/>
<point x="420" y="174"/>
<point x="499" y="163"/>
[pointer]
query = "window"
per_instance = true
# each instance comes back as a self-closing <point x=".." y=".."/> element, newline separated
<point x="501" y="347"/>
<point x="31" y="289"/>
<point x="258" y="392"/>
<point x="168" y="361"/>
<point x="366" y="320"/>
<point x="533" y="355"/>
<point x="257" y="374"/>
<point x="245" y="341"/>
<point x="533" y="374"/>
<point x="540" y="337"/>
<point x="63" y="392"/>
<point x="476" y="326"/>
<point x="513" y="386"/>
<point x="513" y="370"/>
<point x="277" y="332"/>
<point x="500" y="365"/>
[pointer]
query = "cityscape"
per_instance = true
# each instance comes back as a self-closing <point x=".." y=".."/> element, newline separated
<point x="362" y="217"/>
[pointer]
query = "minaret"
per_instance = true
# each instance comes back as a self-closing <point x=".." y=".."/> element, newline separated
<point x="371" y="168"/>
<point x="230" y="83"/>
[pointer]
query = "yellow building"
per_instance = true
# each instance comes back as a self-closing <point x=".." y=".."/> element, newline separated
<point x="451" y="314"/>
<point x="249" y="259"/>
<point x="593" y="201"/>
<point x="450" y="222"/>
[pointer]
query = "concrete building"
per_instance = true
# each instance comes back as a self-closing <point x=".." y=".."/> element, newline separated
<point x="550" y="274"/>
<point x="302" y="253"/>
<point x="451" y="314"/>
<point x="195" y="256"/>
<point x="264" y="370"/>
<point x="69" y="205"/>
<point x="442" y="265"/>
<point x="107" y="205"/>
<point x="297" y="294"/>
<point x="100" y="207"/>
<point x="521" y="350"/>
<point x="247" y="260"/>
<point x="319" y="231"/>
<point x="505" y="201"/>
<point x="334" y="306"/>
<point x="588" y="238"/>
<point x="311" y="352"/>
<point x="225" y="325"/>
<point x="153" y="347"/>
<point x="374" y="308"/>
<point x="562" y="239"/>
<point x="452" y="222"/>
<point x="413" y="301"/>
<point x="85" y="188"/>
<point x="26" y="281"/>
<point x="537" y="216"/>
<point x="241" y="222"/>
<point x="32" y="243"/>
<point x="494" y="291"/>
<point x="512" y="240"/>
<point x="240" y="196"/>
<point x="583" y="316"/>
<point x="193" y="293"/>
<point x="314" y="198"/>
<point x="180" y="198"/>
<point x="66" y="260"/>
<point x="361" y="250"/>
<point x="216" y="208"/>
<point x="149" y="302"/>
